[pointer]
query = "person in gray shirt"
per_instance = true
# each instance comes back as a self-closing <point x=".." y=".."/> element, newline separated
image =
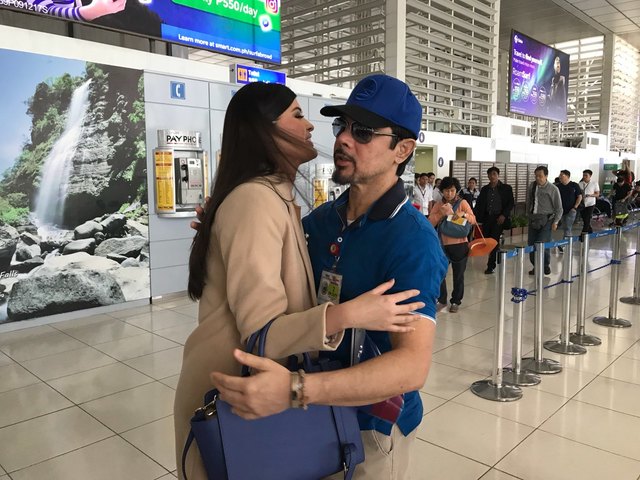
<point x="544" y="207"/>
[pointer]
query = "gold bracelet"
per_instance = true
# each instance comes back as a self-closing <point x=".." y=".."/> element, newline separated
<point x="303" y="401"/>
<point x="297" y="390"/>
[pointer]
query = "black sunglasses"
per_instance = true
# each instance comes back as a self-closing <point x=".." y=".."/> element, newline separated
<point x="360" y="133"/>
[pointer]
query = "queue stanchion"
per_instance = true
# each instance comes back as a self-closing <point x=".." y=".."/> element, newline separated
<point x="537" y="363"/>
<point x="564" y="345"/>
<point x="580" y="337"/>
<point x="635" y="299"/>
<point x="494" y="388"/>
<point x="515" y="375"/>
<point x="612" y="320"/>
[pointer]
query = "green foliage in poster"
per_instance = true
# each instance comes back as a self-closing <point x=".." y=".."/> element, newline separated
<point x="111" y="155"/>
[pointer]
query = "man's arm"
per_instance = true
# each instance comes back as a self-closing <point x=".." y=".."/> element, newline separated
<point x="530" y="201"/>
<point x="403" y="369"/>
<point x="267" y="392"/>
<point x="556" y="201"/>
<point x="480" y="207"/>
<point x="578" y="202"/>
<point x="510" y="203"/>
<point x="578" y="192"/>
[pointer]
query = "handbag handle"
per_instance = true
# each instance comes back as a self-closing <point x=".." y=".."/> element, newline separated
<point x="480" y="230"/>
<point x="260" y="337"/>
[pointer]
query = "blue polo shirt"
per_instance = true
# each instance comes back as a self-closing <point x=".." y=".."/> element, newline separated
<point x="391" y="240"/>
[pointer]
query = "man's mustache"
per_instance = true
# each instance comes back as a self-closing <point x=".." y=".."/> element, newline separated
<point x="340" y="154"/>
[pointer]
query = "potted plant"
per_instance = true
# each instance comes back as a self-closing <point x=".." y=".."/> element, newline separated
<point x="518" y="224"/>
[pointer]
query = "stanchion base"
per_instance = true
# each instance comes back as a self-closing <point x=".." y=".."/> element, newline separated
<point x="521" y="379"/>
<point x="612" y="322"/>
<point x="489" y="391"/>
<point x="584" y="339"/>
<point x="631" y="300"/>
<point x="558" y="347"/>
<point x="546" y="366"/>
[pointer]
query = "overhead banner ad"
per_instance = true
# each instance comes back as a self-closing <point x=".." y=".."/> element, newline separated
<point x="73" y="186"/>
<point x="241" y="28"/>
<point x="538" y="79"/>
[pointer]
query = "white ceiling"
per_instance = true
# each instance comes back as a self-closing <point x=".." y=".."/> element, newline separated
<point x="549" y="21"/>
<point x="556" y="21"/>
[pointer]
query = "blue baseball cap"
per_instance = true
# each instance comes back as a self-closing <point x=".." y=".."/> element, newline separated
<point x="381" y="101"/>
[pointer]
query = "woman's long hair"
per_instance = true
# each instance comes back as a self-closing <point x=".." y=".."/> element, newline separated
<point x="249" y="150"/>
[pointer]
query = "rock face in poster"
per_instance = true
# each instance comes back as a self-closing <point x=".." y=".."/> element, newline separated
<point x="73" y="197"/>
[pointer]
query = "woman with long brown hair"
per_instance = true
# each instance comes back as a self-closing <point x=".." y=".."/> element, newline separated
<point x="249" y="262"/>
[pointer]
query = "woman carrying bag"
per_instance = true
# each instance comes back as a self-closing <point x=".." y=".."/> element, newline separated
<point x="249" y="265"/>
<point x="453" y="218"/>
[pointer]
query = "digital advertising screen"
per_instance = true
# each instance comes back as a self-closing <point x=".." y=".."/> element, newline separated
<point x="538" y="79"/>
<point x="241" y="28"/>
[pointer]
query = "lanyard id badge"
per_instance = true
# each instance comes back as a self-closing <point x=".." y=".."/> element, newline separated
<point x="330" y="286"/>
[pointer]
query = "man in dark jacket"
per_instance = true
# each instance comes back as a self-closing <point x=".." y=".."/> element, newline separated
<point x="493" y="210"/>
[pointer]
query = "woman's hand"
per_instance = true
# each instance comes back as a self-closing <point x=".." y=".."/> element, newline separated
<point x="199" y="214"/>
<point x="266" y="392"/>
<point x="375" y="311"/>
<point x="446" y="209"/>
<point x="99" y="8"/>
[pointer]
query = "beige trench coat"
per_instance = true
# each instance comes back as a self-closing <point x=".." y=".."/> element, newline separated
<point x="258" y="269"/>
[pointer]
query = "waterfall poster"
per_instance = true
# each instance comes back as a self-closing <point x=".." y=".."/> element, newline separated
<point x="73" y="186"/>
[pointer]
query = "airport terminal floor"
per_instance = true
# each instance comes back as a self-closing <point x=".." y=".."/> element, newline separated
<point x="91" y="398"/>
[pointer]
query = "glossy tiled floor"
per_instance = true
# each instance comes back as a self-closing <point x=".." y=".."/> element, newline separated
<point x="92" y="398"/>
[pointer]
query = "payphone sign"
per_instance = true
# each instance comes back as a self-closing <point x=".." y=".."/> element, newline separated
<point x="179" y="139"/>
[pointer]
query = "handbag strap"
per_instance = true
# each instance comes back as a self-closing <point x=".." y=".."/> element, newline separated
<point x="480" y="230"/>
<point x="348" y="449"/>
<point x="185" y="450"/>
<point x="260" y="337"/>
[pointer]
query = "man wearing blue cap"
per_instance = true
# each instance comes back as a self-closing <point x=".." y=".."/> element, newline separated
<point x="370" y="234"/>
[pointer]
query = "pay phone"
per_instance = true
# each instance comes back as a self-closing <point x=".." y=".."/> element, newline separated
<point x="181" y="173"/>
<point x="189" y="180"/>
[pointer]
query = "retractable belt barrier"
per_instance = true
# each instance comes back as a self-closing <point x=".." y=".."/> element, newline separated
<point x="612" y="319"/>
<point x="494" y="388"/>
<point x="516" y="375"/>
<point x="635" y="298"/>
<point x="537" y="363"/>
<point x="503" y="386"/>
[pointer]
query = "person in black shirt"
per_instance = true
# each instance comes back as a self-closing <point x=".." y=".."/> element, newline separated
<point x="470" y="193"/>
<point x="620" y="194"/>
<point x="621" y="190"/>
<point x="571" y="196"/>
<point x="493" y="210"/>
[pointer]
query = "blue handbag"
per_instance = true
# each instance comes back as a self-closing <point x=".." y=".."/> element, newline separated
<point x="293" y="445"/>
<point x="453" y="229"/>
